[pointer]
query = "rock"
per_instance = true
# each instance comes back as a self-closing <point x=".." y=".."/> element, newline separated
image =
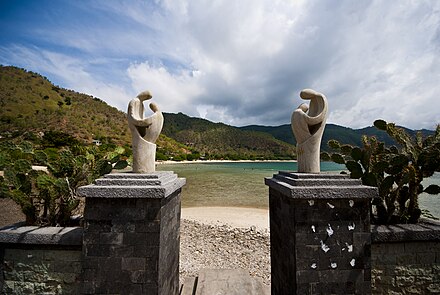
<point x="221" y="246"/>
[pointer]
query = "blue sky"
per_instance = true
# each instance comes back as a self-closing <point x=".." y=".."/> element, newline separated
<point x="239" y="62"/>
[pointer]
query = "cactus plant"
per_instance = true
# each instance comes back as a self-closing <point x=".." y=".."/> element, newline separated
<point x="48" y="197"/>
<point x="397" y="173"/>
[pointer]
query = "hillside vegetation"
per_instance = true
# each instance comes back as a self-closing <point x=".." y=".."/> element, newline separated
<point x="342" y="134"/>
<point x="30" y="103"/>
<point x="218" y="140"/>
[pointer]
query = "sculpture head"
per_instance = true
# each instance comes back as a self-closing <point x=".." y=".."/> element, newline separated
<point x="309" y="94"/>
<point x="144" y="95"/>
<point x="154" y="107"/>
<point x="303" y="107"/>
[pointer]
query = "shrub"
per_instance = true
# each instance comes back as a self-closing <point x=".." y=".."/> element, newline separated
<point x="398" y="173"/>
<point x="48" y="196"/>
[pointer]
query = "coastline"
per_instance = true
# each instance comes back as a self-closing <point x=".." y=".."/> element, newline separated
<point x="221" y="161"/>
<point x="235" y="217"/>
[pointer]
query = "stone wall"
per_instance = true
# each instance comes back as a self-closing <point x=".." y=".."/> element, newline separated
<point x="406" y="259"/>
<point x="40" y="261"/>
<point x="319" y="234"/>
<point x="131" y="245"/>
<point x="132" y="234"/>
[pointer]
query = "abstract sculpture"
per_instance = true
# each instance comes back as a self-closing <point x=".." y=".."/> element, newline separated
<point x="144" y="133"/>
<point x="308" y="123"/>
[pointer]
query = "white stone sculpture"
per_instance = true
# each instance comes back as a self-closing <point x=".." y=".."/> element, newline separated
<point x="308" y="123"/>
<point x="144" y="133"/>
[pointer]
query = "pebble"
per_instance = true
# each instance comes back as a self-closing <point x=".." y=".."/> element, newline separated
<point x="221" y="246"/>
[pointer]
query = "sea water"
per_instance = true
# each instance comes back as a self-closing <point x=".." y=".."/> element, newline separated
<point x="241" y="184"/>
<point x="236" y="184"/>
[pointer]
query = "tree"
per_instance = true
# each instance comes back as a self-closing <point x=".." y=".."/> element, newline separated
<point x="398" y="173"/>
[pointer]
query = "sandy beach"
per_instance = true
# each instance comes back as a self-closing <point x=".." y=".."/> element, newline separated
<point x="211" y="237"/>
<point x="220" y="161"/>
<point x="225" y="237"/>
<point x="232" y="216"/>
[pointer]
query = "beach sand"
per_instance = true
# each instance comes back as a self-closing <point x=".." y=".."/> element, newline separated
<point x="233" y="216"/>
<point x="220" y="161"/>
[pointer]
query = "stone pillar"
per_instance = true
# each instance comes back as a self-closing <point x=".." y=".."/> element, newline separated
<point x="132" y="234"/>
<point x="319" y="234"/>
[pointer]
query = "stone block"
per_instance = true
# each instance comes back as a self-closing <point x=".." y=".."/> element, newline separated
<point x="121" y="251"/>
<point x="331" y="230"/>
<point x="112" y="238"/>
<point x="433" y="288"/>
<point x="123" y="226"/>
<point x="140" y="250"/>
<point x="138" y="276"/>
<point x="386" y="259"/>
<point x="133" y="263"/>
<point x="96" y="250"/>
<point x="137" y="225"/>
<point x="307" y="276"/>
<point x="147" y="226"/>
<point x="424" y="230"/>
<point x="8" y="287"/>
<point x="227" y="281"/>
<point x="63" y="255"/>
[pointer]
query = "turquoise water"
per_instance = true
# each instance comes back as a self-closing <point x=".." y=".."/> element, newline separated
<point x="236" y="184"/>
<point x="241" y="184"/>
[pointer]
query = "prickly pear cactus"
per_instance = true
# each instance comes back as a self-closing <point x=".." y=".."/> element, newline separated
<point x="47" y="195"/>
<point x="397" y="172"/>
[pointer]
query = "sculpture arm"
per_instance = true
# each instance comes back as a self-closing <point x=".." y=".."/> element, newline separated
<point x="157" y="124"/>
<point x="134" y="119"/>
<point x="299" y="125"/>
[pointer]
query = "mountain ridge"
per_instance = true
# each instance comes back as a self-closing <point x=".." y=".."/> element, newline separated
<point x="345" y="135"/>
<point x="29" y="102"/>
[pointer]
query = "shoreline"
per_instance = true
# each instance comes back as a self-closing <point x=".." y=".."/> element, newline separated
<point x="221" y="161"/>
<point x="235" y="217"/>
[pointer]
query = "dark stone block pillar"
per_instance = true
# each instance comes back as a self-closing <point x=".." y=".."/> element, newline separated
<point x="132" y="234"/>
<point x="319" y="234"/>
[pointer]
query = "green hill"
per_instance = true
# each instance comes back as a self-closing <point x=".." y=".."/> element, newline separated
<point x="332" y="131"/>
<point x="218" y="140"/>
<point x="29" y="102"/>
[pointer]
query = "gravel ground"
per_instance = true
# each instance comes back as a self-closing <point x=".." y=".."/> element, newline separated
<point x="207" y="246"/>
<point x="201" y="245"/>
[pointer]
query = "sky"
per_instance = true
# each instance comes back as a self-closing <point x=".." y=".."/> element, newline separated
<point x="238" y="62"/>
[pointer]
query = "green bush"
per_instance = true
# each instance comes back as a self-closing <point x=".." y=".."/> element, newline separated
<point x="48" y="196"/>
<point x="396" y="172"/>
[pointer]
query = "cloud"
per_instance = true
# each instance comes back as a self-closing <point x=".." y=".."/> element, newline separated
<point x="170" y="90"/>
<point x="245" y="62"/>
<point x="68" y="72"/>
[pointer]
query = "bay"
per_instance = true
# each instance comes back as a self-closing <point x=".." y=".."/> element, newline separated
<point x="231" y="184"/>
<point x="241" y="184"/>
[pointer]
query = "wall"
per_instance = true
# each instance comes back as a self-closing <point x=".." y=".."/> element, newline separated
<point x="406" y="259"/>
<point x="40" y="260"/>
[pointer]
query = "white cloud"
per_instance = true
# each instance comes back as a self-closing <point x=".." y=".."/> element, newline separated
<point x="244" y="62"/>
<point x="72" y="72"/>
<point x="170" y="90"/>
